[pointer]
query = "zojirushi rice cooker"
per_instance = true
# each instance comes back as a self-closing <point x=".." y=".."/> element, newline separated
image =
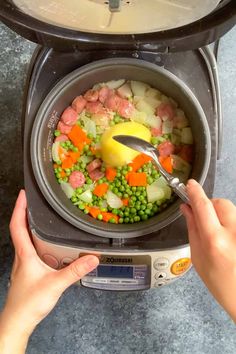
<point x="89" y="41"/>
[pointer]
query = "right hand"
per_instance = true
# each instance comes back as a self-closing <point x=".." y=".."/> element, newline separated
<point x="212" y="236"/>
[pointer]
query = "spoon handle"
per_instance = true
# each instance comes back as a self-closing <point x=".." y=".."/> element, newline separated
<point x="180" y="189"/>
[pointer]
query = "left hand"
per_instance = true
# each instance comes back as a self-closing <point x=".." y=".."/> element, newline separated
<point x="35" y="287"/>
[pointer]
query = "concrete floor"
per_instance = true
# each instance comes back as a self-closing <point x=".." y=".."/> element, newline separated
<point x="180" y="318"/>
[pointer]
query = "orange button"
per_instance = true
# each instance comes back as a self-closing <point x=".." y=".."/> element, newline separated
<point x="180" y="266"/>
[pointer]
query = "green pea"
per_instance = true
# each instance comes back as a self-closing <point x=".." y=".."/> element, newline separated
<point x="74" y="199"/>
<point x="90" y="136"/>
<point x="122" y="188"/>
<point x="138" y="207"/>
<point x="118" y="175"/>
<point x="155" y="208"/>
<point x="126" y="220"/>
<point x="130" y="168"/>
<point x="60" y="180"/>
<point x="81" y="206"/>
<point x="104" y="210"/>
<point x="126" y="213"/>
<point x="121" y="213"/>
<point x="59" y="162"/>
<point x="75" y="149"/>
<point x="154" y="140"/>
<point x="144" y="217"/>
<point x="115" y="190"/>
<point x="121" y="220"/>
<point x="58" y="175"/>
<point x="112" y="221"/>
<point x="100" y="217"/>
<point x="89" y="181"/>
<point x="141" y="198"/>
<point x="86" y="211"/>
<point x="137" y="218"/>
<point x="115" y="211"/>
<point x="149" y="205"/>
<point x="129" y="192"/>
<point x="148" y="211"/>
<point x="133" y="211"/>
<point x="133" y="198"/>
<point x="116" y="119"/>
<point x="65" y="179"/>
<point x="150" y="180"/>
<point x="126" y="195"/>
<point x="57" y="133"/>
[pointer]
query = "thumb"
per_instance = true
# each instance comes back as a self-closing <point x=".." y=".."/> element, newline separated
<point x="75" y="271"/>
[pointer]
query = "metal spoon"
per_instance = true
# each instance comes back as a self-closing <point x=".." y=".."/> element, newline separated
<point x="146" y="148"/>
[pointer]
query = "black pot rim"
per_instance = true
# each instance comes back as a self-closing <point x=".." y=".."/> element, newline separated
<point x="120" y="230"/>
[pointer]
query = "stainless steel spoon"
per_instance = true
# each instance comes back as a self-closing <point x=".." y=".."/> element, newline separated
<point x="142" y="146"/>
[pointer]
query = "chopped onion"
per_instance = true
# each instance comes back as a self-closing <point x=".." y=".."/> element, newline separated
<point x="113" y="201"/>
<point x="161" y="183"/>
<point x="181" y="165"/>
<point x="67" y="189"/>
<point x="187" y="136"/>
<point x="175" y="139"/>
<point x="55" y="151"/>
<point x="154" y="121"/>
<point x="86" y="159"/>
<point x="167" y="127"/>
<point x="86" y="196"/>
<point x="139" y="117"/>
<point x="139" y="88"/>
<point x="154" y="102"/>
<point x="152" y="92"/>
<point x="114" y="84"/>
<point x="89" y="125"/>
<point x="89" y="187"/>
<point x="154" y="193"/>
<point x="143" y="106"/>
<point x="125" y="91"/>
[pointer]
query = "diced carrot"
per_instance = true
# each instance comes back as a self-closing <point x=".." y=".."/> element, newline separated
<point x="67" y="163"/>
<point x="63" y="174"/>
<point x="74" y="155"/>
<point x="94" y="150"/>
<point x="110" y="173"/>
<point x="78" y="137"/>
<point x="55" y="165"/>
<point x="139" y="161"/>
<point x="137" y="179"/>
<point x="125" y="201"/>
<point x="94" y="212"/>
<point x="166" y="163"/>
<point x="107" y="216"/>
<point x="100" y="189"/>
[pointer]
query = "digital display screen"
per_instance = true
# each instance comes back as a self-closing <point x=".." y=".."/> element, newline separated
<point x="115" y="272"/>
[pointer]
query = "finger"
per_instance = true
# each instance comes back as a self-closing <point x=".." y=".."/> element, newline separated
<point x="75" y="271"/>
<point x="19" y="227"/>
<point x="203" y="211"/>
<point x="191" y="225"/>
<point x="226" y="212"/>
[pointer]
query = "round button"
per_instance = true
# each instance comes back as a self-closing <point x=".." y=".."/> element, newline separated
<point x="66" y="261"/>
<point x="159" y="283"/>
<point x="50" y="260"/>
<point x="161" y="263"/>
<point x="160" y="275"/>
<point x="180" y="266"/>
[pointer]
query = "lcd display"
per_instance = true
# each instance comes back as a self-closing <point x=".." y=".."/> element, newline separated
<point x="115" y="272"/>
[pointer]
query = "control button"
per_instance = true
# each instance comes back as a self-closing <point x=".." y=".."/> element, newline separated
<point x="160" y="275"/>
<point x="159" y="283"/>
<point x="50" y="260"/>
<point x="66" y="261"/>
<point x="180" y="266"/>
<point x="161" y="263"/>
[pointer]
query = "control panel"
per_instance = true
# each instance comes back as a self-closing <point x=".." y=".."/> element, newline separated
<point x="133" y="270"/>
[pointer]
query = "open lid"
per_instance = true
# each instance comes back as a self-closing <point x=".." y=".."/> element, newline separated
<point x="119" y="24"/>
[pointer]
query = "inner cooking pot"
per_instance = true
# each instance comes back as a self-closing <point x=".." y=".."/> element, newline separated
<point x="77" y="83"/>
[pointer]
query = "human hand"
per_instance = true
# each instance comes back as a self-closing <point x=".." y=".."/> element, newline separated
<point x="212" y="236"/>
<point x="35" y="287"/>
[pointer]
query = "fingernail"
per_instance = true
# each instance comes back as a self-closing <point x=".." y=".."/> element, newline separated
<point x="92" y="261"/>
<point x="191" y="182"/>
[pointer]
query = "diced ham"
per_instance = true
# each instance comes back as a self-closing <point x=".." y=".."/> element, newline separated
<point x="156" y="131"/>
<point x="64" y="129"/>
<point x="95" y="175"/>
<point x="94" y="107"/>
<point x="91" y="95"/>
<point x="165" y="111"/>
<point x="125" y="108"/>
<point x="76" y="179"/>
<point x="166" y="148"/>
<point x="94" y="165"/>
<point x="69" y="116"/>
<point x="79" y="104"/>
<point x="103" y="94"/>
<point x="61" y="138"/>
<point x="113" y="102"/>
<point x="186" y="153"/>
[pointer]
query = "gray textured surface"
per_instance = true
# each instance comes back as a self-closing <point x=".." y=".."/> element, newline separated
<point x="180" y="318"/>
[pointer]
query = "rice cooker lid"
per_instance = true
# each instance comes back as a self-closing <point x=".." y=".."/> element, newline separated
<point x="120" y="24"/>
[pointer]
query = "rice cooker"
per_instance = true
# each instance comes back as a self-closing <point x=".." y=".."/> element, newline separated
<point x="161" y="42"/>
